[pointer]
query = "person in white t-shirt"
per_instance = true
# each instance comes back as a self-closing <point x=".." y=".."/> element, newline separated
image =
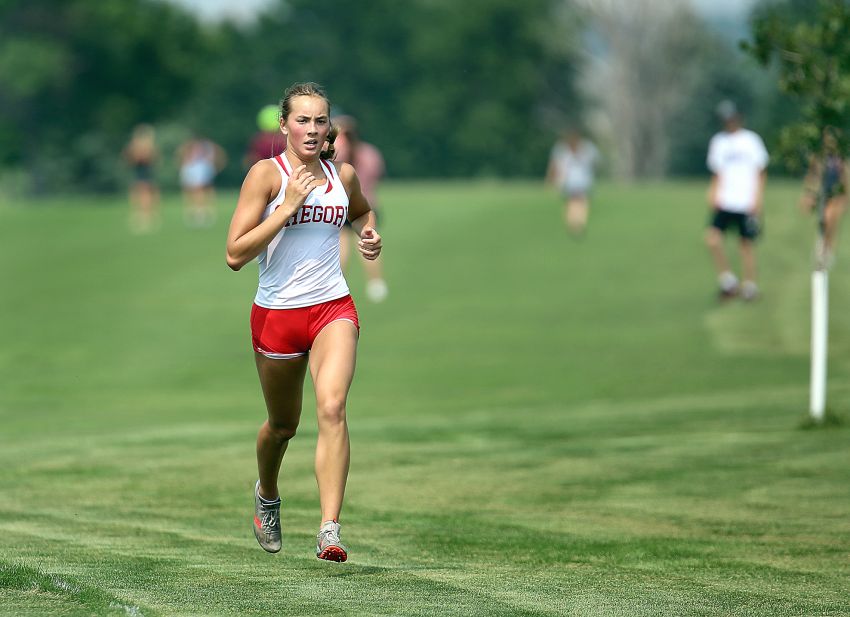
<point x="290" y="212"/>
<point x="738" y="161"/>
<point x="571" y="165"/>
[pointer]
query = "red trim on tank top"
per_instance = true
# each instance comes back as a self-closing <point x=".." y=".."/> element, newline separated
<point x="329" y="175"/>
<point x="279" y="159"/>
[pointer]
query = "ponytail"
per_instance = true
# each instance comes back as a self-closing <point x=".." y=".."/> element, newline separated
<point x="328" y="154"/>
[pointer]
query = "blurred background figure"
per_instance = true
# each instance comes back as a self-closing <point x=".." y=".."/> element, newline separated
<point x="269" y="141"/>
<point x="369" y="165"/>
<point x="827" y="176"/>
<point x="141" y="154"/>
<point x="200" y="161"/>
<point x="571" y="167"/>
<point x="738" y="160"/>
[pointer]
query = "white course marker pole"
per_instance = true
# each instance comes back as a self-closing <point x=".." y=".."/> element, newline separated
<point x="820" y="313"/>
<point x="820" y="320"/>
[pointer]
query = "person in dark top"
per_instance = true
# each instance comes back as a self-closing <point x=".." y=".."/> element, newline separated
<point x="827" y="176"/>
<point x="141" y="154"/>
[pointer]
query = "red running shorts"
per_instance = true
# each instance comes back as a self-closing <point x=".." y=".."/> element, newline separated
<point x="282" y="334"/>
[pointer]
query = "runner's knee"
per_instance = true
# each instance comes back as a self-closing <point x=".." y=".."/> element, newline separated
<point x="282" y="431"/>
<point x="331" y="410"/>
<point x="713" y="238"/>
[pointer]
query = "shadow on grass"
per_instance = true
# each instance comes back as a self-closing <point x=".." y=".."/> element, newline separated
<point x="358" y="570"/>
<point x="831" y="420"/>
<point x="350" y="569"/>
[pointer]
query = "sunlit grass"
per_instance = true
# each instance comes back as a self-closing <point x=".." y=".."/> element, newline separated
<point x="540" y="426"/>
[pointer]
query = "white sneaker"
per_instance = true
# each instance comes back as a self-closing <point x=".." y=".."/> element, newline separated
<point x="728" y="281"/>
<point x="266" y="522"/>
<point x="328" y="545"/>
<point x="749" y="291"/>
<point x="376" y="290"/>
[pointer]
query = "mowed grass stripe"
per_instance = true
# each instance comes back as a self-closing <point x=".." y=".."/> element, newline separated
<point x="29" y="589"/>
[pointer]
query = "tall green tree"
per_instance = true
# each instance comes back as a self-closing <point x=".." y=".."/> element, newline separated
<point x="811" y="51"/>
<point x="485" y="72"/>
<point x="75" y="75"/>
<point x="444" y="88"/>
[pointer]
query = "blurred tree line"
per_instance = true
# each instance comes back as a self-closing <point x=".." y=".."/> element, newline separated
<point x="444" y="88"/>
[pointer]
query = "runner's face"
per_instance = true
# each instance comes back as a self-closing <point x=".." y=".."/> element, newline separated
<point x="307" y="126"/>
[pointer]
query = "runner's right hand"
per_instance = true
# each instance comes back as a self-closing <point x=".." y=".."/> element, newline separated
<point x="301" y="184"/>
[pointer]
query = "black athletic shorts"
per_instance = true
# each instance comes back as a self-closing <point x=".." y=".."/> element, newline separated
<point x="748" y="226"/>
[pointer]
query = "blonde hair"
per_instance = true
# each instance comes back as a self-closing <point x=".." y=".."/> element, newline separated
<point x="309" y="88"/>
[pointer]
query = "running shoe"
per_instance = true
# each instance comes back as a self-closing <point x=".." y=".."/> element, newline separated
<point x="328" y="545"/>
<point x="266" y="522"/>
<point x="377" y="290"/>
<point x="749" y="291"/>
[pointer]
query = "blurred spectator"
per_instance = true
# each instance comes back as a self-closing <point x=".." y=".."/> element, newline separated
<point x="571" y="166"/>
<point x="200" y="161"/>
<point x="738" y="159"/>
<point x="141" y="154"/>
<point x="269" y="141"/>
<point x="827" y="178"/>
<point x="369" y="165"/>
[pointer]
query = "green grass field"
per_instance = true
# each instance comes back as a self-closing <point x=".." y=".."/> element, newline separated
<point x="540" y="426"/>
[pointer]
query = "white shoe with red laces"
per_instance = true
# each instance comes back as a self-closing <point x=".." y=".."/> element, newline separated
<point x="328" y="545"/>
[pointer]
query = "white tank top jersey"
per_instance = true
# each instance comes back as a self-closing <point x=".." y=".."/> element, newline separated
<point x="300" y="267"/>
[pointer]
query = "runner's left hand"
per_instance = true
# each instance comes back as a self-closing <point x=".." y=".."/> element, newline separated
<point x="370" y="243"/>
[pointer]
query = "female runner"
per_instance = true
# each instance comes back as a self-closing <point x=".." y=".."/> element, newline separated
<point x="289" y="215"/>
